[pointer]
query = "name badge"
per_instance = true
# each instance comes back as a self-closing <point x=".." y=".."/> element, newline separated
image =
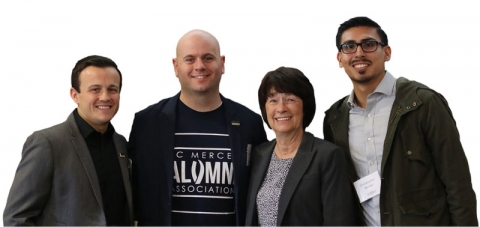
<point x="368" y="186"/>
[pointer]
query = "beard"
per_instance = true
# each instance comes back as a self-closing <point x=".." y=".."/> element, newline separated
<point x="362" y="79"/>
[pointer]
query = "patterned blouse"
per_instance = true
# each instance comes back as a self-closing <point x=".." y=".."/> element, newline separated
<point x="269" y="193"/>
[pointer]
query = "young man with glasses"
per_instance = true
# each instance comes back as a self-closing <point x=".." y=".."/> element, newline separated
<point x="405" y="155"/>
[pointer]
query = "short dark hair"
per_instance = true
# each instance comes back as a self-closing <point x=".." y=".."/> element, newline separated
<point x="92" y="60"/>
<point x="358" y="22"/>
<point x="288" y="80"/>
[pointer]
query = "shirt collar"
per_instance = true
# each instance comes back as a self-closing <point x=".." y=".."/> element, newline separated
<point x="85" y="128"/>
<point x="386" y="87"/>
<point x="351" y="100"/>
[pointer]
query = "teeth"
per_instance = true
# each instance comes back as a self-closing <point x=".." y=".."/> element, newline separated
<point x="283" y="118"/>
<point x="199" y="77"/>
<point x="103" y="107"/>
<point x="360" y="65"/>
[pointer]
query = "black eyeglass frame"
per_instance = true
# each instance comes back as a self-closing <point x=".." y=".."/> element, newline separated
<point x="361" y="46"/>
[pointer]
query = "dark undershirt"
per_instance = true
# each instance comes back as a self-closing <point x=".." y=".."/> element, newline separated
<point x="104" y="157"/>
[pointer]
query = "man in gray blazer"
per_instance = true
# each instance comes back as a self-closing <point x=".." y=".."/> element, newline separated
<point x="76" y="173"/>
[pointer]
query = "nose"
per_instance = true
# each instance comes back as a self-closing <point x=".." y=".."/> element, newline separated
<point x="199" y="65"/>
<point x="282" y="106"/>
<point x="359" y="51"/>
<point x="104" y="96"/>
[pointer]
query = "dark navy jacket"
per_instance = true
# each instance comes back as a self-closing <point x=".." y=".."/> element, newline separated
<point x="151" y="146"/>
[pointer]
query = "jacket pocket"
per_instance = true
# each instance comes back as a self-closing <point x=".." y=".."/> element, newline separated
<point x="430" y="209"/>
<point x="414" y="147"/>
<point x="421" y="205"/>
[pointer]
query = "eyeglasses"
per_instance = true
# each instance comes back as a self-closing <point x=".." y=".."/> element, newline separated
<point x="367" y="46"/>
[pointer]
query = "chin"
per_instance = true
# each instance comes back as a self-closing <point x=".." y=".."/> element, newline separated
<point x="283" y="130"/>
<point x="105" y="119"/>
<point x="361" y="79"/>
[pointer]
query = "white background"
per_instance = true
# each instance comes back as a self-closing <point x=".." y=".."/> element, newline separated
<point x="434" y="42"/>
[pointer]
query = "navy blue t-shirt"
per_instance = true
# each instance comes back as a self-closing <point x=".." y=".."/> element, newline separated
<point x="203" y="192"/>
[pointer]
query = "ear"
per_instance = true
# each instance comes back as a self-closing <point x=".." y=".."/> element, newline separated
<point x="175" y="66"/>
<point x="74" y="95"/>
<point x="388" y="53"/>
<point x="223" y="64"/>
<point x="339" y="58"/>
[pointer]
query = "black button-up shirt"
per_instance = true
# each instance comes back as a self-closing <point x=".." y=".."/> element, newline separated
<point x="105" y="158"/>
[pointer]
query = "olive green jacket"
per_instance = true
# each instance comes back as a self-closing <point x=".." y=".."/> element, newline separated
<point x="424" y="171"/>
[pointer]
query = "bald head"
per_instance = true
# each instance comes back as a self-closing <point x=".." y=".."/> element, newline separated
<point x="199" y="68"/>
<point x="194" y="37"/>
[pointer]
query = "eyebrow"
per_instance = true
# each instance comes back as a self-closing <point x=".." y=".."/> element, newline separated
<point x="204" y="55"/>
<point x="99" y="85"/>
<point x="361" y="41"/>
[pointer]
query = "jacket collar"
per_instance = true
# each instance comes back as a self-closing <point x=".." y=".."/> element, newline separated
<point x="83" y="153"/>
<point x="386" y="87"/>
<point x="407" y="100"/>
<point x="299" y="166"/>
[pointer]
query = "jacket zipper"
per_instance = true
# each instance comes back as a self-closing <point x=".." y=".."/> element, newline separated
<point x="394" y="116"/>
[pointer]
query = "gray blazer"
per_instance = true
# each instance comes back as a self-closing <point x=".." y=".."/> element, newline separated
<point x="56" y="182"/>
<point x="317" y="190"/>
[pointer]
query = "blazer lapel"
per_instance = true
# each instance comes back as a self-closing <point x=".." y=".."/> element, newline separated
<point x="120" y="147"/>
<point x="259" y="170"/>
<point x="233" y="123"/>
<point x="83" y="153"/>
<point x="300" y="164"/>
<point x="166" y="141"/>
<point x="233" y="127"/>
